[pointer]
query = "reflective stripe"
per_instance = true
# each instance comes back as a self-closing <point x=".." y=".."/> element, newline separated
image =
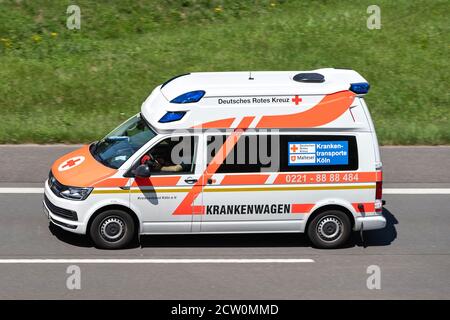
<point x="379" y="175"/>
<point x="301" y="208"/>
<point x="237" y="189"/>
<point x="222" y="189"/>
<point x="156" y="181"/>
<point x="112" y="182"/>
<point x="143" y="190"/>
<point x="255" y="179"/>
<point x="306" y="207"/>
<point x="367" y="207"/>
<point x="244" y="179"/>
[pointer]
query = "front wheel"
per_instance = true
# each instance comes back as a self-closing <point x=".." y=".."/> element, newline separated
<point x="112" y="229"/>
<point x="329" y="229"/>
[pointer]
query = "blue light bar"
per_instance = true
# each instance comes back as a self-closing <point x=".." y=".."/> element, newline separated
<point x="189" y="97"/>
<point x="172" y="116"/>
<point x="360" y="87"/>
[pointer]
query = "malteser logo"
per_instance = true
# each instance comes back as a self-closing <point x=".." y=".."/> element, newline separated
<point x="71" y="163"/>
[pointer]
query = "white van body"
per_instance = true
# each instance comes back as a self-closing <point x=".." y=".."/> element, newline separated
<point x="319" y="111"/>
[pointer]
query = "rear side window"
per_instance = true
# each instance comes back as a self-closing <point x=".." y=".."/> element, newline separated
<point x="287" y="153"/>
<point x="252" y="153"/>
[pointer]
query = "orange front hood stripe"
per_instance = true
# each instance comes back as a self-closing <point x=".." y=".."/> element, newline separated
<point x="86" y="174"/>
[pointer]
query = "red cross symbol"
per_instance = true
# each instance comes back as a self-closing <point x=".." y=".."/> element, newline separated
<point x="71" y="163"/>
<point x="296" y="100"/>
<point x="294" y="148"/>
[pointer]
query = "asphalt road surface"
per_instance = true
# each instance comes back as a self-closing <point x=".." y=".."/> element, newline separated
<point x="412" y="252"/>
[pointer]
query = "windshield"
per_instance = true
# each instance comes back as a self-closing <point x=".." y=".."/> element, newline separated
<point x="118" y="146"/>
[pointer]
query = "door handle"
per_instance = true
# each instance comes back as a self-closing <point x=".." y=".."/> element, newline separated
<point x="190" y="180"/>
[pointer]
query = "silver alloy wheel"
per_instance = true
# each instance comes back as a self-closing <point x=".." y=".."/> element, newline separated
<point x="330" y="228"/>
<point x="112" y="229"/>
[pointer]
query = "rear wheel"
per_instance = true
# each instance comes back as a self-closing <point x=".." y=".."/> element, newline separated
<point x="112" y="229"/>
<point x="329" y="229"/>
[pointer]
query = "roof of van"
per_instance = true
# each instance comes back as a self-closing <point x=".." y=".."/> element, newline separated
<point x="261" y="99"/>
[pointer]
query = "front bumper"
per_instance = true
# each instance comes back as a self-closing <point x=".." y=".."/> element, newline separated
<point x="52" y="203"/>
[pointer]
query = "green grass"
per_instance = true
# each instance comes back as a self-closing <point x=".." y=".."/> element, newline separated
<point x="77" y="85"/>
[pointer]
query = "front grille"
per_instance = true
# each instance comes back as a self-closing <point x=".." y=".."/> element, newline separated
<point x="63" y="213"/>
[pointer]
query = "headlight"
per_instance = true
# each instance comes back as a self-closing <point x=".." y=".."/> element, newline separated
<point x="74" y="193"/>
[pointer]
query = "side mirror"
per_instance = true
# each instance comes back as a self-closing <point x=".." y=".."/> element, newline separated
<point x="142" y="171"/>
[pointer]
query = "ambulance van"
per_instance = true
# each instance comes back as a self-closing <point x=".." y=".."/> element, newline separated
<point x="229" y="152"/>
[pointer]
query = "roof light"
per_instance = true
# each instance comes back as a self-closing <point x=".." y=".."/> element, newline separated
<point x="189" y="97"/>
<point x="360" y="87"/>
<point x="309" y="77"/>
<point x="172" y="116"/>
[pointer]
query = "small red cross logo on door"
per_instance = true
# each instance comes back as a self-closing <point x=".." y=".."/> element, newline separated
<point x="296" y="100"/>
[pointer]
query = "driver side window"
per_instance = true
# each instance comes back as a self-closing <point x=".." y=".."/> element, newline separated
<point x="173" y="155"/>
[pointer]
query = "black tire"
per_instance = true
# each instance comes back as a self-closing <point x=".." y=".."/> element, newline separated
<point x="112" y="229"/>
<point x="329" y="229"/>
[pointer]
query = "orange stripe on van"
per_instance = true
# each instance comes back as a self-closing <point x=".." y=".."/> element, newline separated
<point x="301" y="208"/>
<point x="328" y="109"/>
<point x="367" y="207"/>
<point x="223" y="123"/>
<point x="245" y="179"/>
<point x="156" y="181"/>
<point x="379" y="175"/>
<point x="111" y="182"/>
<point x="245" y="123"/>
<point x="186" y="207"/>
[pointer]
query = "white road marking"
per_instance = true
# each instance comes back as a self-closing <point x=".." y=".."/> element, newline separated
<point x="149" y="261"/>
<point x="21" y="190"/>
<point x="416" y="191"/>
<point x="385" y="191"/>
